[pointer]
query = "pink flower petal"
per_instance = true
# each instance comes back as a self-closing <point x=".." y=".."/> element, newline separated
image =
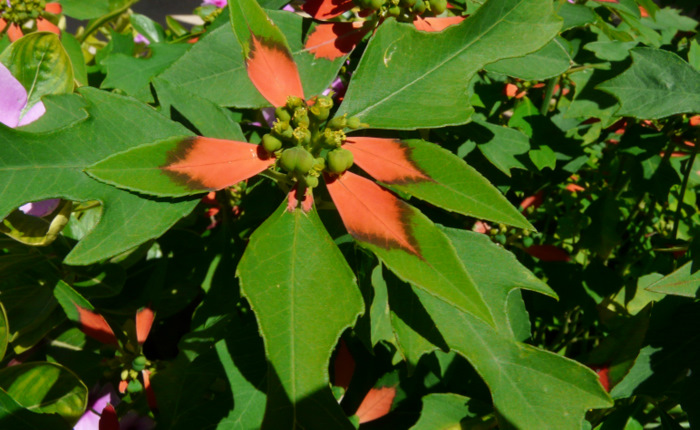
<point x="13" y="100"/>
<point x="33" y="114"/>
<point x="40" y="208"/>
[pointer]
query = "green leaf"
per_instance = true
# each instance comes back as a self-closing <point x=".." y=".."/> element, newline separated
<point x="41" y="64"/>
<point x="285" y="274"/>
<point x="148" y="28"/>
<point x="89" y="9"/>
<point x="658" y="84"/>
<point x="132" y="75"/>
<point x="409" y="79"/>
<point x="15" y="417"/>
<point x="4" y="332"/>
<point x="248" y="19"/>
<point x="47" y="388"/>
<point x="551" y="60"/>
<point x="77" y="59"/>
<point x="41" y="166"/>
<point x="543" y="157"/>
<point x="443" y="411"/>
<point x="435" y="175"/>
<point x="210" y="119"/>
<point x="500" y="145"/>
<point x="682" y="282"/>
<point x="225" y="81"/>
<point x="61" y="111"/>
<point x="575" y="15"/>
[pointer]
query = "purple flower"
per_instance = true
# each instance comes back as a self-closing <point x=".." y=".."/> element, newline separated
<point x="97" y="401"/>
<point x="14" y="112"/>
<point x="217" y="3"/>
<point x="140" y="38"/>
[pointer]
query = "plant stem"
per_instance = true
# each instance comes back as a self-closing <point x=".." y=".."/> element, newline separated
<point x="548" y="91"/>
<point x="684" y="185"/>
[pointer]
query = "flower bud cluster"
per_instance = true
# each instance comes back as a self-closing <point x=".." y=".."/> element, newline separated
<point x="404" y="10"/>
<point x="306" y="142"/>
<point x="21" y="11"/>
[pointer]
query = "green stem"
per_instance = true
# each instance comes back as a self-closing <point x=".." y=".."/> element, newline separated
<point x="99" y="22"/>
<point x="548" y="91"/>
<point x="684" y="185"/>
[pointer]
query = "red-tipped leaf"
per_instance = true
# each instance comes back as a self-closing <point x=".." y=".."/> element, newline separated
<point x="436" y="24"/>
<point x="326" y="9"/>
<point x="204" y="163"/>
<point x="372" y="214"/>
<point x="376" y="404"/>
<point x="108" y="419"/>
<point x="150" y="394"/>
<point x="273" y="71"/>
<point x="336" y="39"/>
<point x="387" y="160"/>
<point x="144" y="322"/>
<point x="95" y="326"/>
<point x="43" y="24"/>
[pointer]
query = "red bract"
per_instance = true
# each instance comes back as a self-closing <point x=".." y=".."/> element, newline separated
<point x="334" y="40"/>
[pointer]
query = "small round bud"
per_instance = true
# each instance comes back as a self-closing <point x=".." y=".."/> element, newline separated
<point x="282" y="130"/>
<point x="319" y="164"/>
<point x="139" y="363"/>
<point x="376" y="4"/>
<point x="270" y="143"/>
<point x="319" y="113"/>
<point x="394" y="11"/>
<point x="354" y="123"/>
<point x="325" y="102"/>
<point x="134" y="386"/>
<point x="282" y="114"/>
<point x="302" y="136"/>
<point x="419" y="7"/>
<point x="337" y="123"/>
<point x="294" y="102"/>
<point x="301" y="117"/>
<point x="407" y="3"/>
<point x="438" y="6"/>
<point x="311" y="181"/>
<point x="296" y="160"/>
<point x="339" y="160"/>
<point x="124" y="375"/>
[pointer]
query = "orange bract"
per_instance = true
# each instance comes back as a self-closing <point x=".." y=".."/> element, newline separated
<point x="386" y="160"/>
<point x="325" y="9"/>
<point x="372" y="214"/>
<point x="335" y="39"/>
<point x="436" y="24"/>
<point x="144" y="321"/>
<point x="273" y="71"/>
<point x="213" y="164"/>
<point x="95" y="326"/>
<point x="376" y="404"/>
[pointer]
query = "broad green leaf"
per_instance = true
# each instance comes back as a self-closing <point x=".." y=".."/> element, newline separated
<point x="150" y="29"/>
<point x="575" y="15"/>
<point x="292" y="273"/>
<point x="41" y="64"/>
<point x="500" y="145"/>
<point x="683" y="282"/>
<point x="589" y="101"/>
<point x="407" y="241"/>
<point x="430" y="173"/>
<point x="443" y="411"/>
<point x="225" y="81"/>
<point x="89" y="9"/>
<point x="62" y="110"/>
<point x="543" y="157"/>
<point x="15" y="417"/>
<point x="47" y="388"/>
<point x="132" y="75"/>
<point x="658" y="84"/>
<point x="551" y="60"/>
<point x="41" y="166"/>
<point x="4" y="332"/>
<point x="210" y="119"/>
<point x="611" y="50"/>
<point x="409" y="79"/>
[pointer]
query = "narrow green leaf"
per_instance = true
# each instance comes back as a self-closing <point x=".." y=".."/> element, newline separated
<point x="682" y="282"/>
<point x="40" y="166"/>
<point x="77" y="59"/>
<point x="47" y="388"/>
<point x="291" y="273"/>
<point x="658" y="84"/>
<point x="551" y="60"/>
<point x="4" y="332"/>
<point x="389" y="91"/>
<point x="148" y="28"/>
<point x="41" y="64"/>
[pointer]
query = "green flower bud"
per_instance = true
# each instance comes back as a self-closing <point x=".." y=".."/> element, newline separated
<point x="282" y="114"/>
<point x="302" y="136"/>
<point x="311" y="181"/>
<point x="364" y="4"/>
<point x="294" y="102"/>
<point x="376" y="4"/>
<point x="319" y="113"/>
<point x="419" y="7"/>
<point x="301" y="117"/>
<point x="325" y="102"/>
<point x="407" y="3"/>
<point x="270" y="143"/>
<point x="282" y="130"/>
<point x="319" y="164"/>
<point x="354" y="123"/>
<point x="337" y="123"/>
<point x="139" y="363"/>
<point x="394" y="11"/>
<point x="296" y="160"/>
<point x="134" y="386"/>
<point x="332" y="139"/>
<point x="124" y="374"/>
<point x="339" y="160"/>
<point x="438" y="6"/>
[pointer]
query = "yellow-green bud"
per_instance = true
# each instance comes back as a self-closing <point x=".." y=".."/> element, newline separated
<point x="134" y="386"/>
<point x="319" y="113"/>
<point x="376" y="4"/>
<point x="301" y="117"/>
<point x="419" y="7"/>
<point x="294" y="102"/>
<point x="319" y="164"/>
<point x="139" y="363"/>
<point x="438" y="6"/>
<point x="302" y="136"/>
<point x="282" y="114"/>
<point x="407" y="3"/>
<point x="311" y="181"/>
<point x="282" y="130"/>
<point x="337" y="123"/>
<point x="339" y="160"/>
<point x="354" y="123"/>
<point x="270" y="143"/>
<point x="394" y="11"/>
<point x="296" y="160"/>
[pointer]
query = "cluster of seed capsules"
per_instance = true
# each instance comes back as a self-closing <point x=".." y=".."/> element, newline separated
<point x="306" y="143"/>
<point x="405" y="10"/>
<point x="21" y="11"/>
